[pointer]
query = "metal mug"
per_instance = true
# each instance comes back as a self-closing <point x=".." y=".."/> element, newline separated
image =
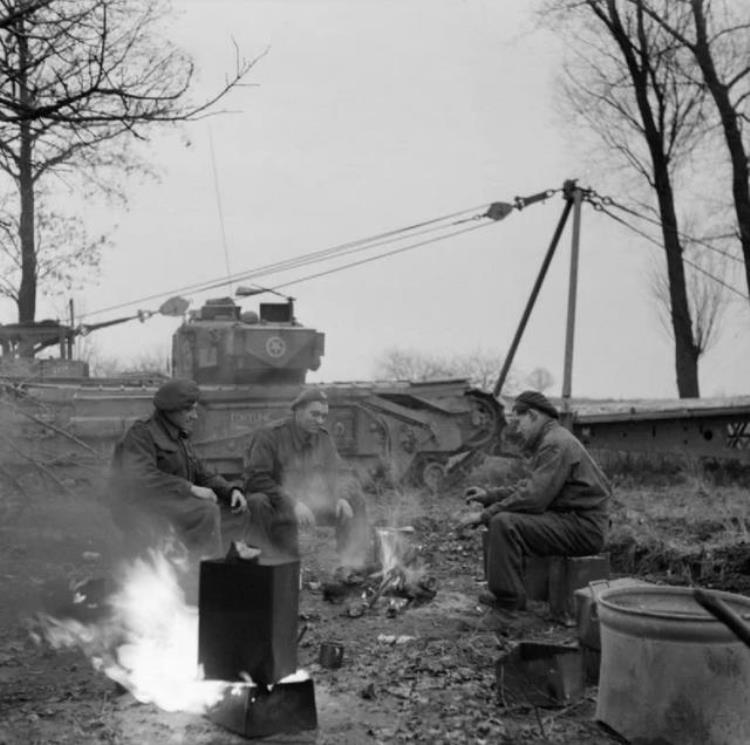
<point x="331" y="655"/>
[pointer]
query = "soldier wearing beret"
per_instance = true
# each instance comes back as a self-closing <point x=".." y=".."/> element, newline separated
<point x="560" y="509"/>
<point x="160" y="484"/>
<point x="294" y="477"/>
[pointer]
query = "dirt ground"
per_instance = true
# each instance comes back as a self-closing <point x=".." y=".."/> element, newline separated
<point x="426" y="675"/>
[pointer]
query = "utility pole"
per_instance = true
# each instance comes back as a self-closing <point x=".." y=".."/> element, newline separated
<point x="572" y="297"/>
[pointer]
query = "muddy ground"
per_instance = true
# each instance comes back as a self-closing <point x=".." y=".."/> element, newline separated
<point x="426" y="675"/>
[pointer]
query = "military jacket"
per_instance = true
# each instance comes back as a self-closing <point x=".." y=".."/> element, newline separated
<point x="563" y="478"/>
<point x="283" y="461"/>
<point x="156" y="458"/>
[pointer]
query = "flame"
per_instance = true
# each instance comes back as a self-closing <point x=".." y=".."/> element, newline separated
<point x="149" y="641"/>
<point x="398" y="554"/>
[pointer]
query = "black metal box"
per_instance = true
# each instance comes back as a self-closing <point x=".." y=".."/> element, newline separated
<point x="247" y="621"/>
<point x="568" y="574"/>
<point x="540" y="674"/>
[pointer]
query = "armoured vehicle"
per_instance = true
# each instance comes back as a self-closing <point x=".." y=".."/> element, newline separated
<point x="249" y="366"/>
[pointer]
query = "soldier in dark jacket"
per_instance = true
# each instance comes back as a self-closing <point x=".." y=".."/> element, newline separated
<point x="160" y="484"/>
<point x="560" y="509"/>
<point x="294" y="477"/>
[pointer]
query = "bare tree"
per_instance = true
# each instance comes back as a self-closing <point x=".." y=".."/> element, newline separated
<point x="719" y="39"/>
<point x="540" y="378"/>
<point x="9" y="17"/>
<point x="148" y="364"/>
<point x="80" y="82"/>
<point x="633" y="96"/>
<point x="480" y="368"/>
<point x="401" y="364"/>
<point x="64" y="252"/>
<point x="706" y="295"/>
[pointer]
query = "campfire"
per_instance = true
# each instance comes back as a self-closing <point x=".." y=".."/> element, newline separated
<point x="244" y="632"/>
<point x="396" y="580"/>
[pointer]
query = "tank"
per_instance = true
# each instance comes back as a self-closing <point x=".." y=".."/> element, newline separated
<point x="250" y="366"/>
<point x="221" y="345"/>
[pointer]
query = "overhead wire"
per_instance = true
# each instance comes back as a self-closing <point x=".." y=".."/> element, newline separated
<point x="219" y="205"/>
<point x="357" y="249"/>
<point x="683" y="236"/>
<point x="380" y="256"/>
<point x="697" y="267"/>
<point x="313" y="257"/>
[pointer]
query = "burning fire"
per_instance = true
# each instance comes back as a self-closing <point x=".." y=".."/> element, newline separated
<point x="402" y="570"/>
<point x="149" y="641"/>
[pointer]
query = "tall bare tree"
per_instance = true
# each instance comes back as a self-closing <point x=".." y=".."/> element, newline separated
<point x="65" y="252"/>
<point x="80" y="82"/>
<point x="705" y="275"/>
<point x="719" y="40"/>
<point x="632" y="94"/>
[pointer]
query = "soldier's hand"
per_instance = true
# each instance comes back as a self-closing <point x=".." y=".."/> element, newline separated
<point x="237" y="501"/>
<point x="477" y="494"/>
<point x="203" y="492"/>
<point x="470" y="520"/>
<point x="304" y="515"/>
<point x="344" y="510"/>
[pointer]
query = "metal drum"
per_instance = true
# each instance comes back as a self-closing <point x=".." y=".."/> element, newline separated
<point x="670" y="672"/>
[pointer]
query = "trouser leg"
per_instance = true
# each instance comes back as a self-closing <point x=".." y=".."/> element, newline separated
<point x="199" y="526"/>
<point x="512" y="536"/>
<point x="273" y="529"/>
<point x="235" y="526"/>
<point x="195" y="522"/>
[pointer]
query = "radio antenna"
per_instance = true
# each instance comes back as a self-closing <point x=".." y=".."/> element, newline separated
<point x="219" y="207"/>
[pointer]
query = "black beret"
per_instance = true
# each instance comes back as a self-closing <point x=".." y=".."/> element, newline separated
<point x="176" y="394"/>
<point x="308" y="396"/>
<point x="536" y="400"/>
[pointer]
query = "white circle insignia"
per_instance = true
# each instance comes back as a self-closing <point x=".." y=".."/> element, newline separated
<point x="275" y="346"/>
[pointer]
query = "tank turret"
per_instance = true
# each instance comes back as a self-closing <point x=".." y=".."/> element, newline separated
<point x="221" y="344"/>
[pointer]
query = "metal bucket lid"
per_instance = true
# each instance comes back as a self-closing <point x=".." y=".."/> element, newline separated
<point x="666" y="612"/>
<point x="664" y="601"/>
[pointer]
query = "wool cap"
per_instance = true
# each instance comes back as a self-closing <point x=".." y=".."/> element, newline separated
<point x="176" y="394"/>
<point x="308" y="396"/>
<point x="535" y="400"/>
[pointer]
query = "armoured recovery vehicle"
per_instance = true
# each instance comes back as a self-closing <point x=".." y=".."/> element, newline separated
<point x="250" y="365"/>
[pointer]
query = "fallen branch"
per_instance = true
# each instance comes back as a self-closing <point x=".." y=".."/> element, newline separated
<point x="36" y="464"/>
<point x="12" y="479"/>
<point x="53" y="427"/>
<point x="389" y="580"/>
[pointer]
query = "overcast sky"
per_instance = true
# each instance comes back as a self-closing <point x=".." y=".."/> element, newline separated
<point x="370" y="115"/>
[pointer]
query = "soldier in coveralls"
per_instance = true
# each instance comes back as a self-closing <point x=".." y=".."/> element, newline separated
<point x="560" y="509"/>
<point x="294" y="477"/>
<point x="160" y="484"/>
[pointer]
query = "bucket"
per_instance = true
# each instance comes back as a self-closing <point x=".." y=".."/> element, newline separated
<point x="670" y="672"/>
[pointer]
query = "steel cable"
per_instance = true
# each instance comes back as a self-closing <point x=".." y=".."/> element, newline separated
<point x="342" y="249"/>
<point x="680" y="234"/>
<point x="381" y="256"/>
<point x="697" y="267"/>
